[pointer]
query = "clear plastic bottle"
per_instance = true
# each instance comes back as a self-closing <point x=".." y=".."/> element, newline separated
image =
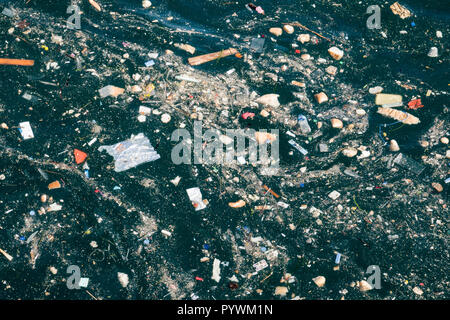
<point x="303" y="124"/>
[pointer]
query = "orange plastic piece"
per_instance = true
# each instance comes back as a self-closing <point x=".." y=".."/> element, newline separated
<point x="16" y="62"/>
<point x="54" y="185"/>
<point x="80" y="156"/>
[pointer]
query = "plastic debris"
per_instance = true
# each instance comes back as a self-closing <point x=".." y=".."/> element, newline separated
<point x="55" y="207"/>
<point x="110" y="91"/>
<point x="8" y="12"/>
<point x="16" y="62"/>
<point x="25" y="130"/>
<point x="216" y="270"/>
<point x="237" y="204"/>
<point x="257" y="45"/>
<point x="123" y="279"/>
<point x="270" y="100"/>
<point x="54" y="185"/>
<point x="384" y="98"/>
<point x="408" y="163"/>
<point x="79" y="155"/>
<point x="281" y="291"/>
<point x="187" y="78"/>
<point x="195" y="195"/>
<point x="338" y="258"/>
<point x="298" y="147"/>
<point x="400" y="10"/>
<point x="334" y="195"/>
<point x="261" y="265"/>
<point x="251" y="6"/>
<point x="433" y="53"/>
<point x="336" y="53"/>
<point x="131" y="153"/>
<point x="247" y="115"/>
<point x="415" y="104"/>
<point x="166" y="233"/>
<point x="319" y="281"/>
<point x="303" y="124"/>
<point x="346" y="189"/>
<point x="83" y="282"/>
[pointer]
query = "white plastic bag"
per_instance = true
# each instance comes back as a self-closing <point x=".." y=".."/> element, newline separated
<point x="132" y="152"/>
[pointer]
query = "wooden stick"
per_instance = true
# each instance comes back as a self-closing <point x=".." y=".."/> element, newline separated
<point x="303" y="27"/>
<point x="6" y="255"/>
<point x="195" y="61"/>
<point x="16" y="62"/>
<point x="92" y="296"/>
<point x="266" y="277"/>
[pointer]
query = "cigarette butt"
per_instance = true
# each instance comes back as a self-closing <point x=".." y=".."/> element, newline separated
<point x="16" y="62"/>
<point x="6" y="255"/>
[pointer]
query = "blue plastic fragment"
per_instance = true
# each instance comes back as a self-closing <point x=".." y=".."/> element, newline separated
<point x="32" y="213"/>
<point x="206" y="246"/>
<point x="146" y="241"/>
<point x="22" y="238"/>
<point x="338" y="258"/>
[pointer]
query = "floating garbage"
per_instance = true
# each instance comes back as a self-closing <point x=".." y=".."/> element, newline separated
<point x="7" y="256"/>
<point x="184" y="77"/>
<point x="79" y="155"/>
<point x="25" y="130"/>
<point x="216" y="270"/>
<point x="385" y="98"/>
<point x="408" y="163"/>
<point x="398" y="115"/>
<point x="8" y="12"/>
<point x="195" y="61"/>
<point x="400" y="10"/>
<point x="303" y="124"/>
<point x="261" y="265"/>
<point x="110" y="91"/>
<point x="131" y="153"/>
<point x="195" y="195"/>
<point x="237" y="204"/>
<point x="257" y="45"/>
<point x="298" y="147"/>
<point x="16" y="62"/>
<point x="137" y="67"/>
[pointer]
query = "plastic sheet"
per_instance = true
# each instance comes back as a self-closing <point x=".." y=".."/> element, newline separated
<point x="132" y="152"/>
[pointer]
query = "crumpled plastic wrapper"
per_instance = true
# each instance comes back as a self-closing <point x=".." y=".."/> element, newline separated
<point x="132" y="152"/>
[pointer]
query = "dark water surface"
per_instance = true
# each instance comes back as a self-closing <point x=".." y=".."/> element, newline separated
<point x="372" y="60"/>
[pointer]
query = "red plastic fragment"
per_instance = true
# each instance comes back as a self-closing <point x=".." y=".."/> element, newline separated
<point x="415" y="104"/>
<point x="247" y="114"/>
